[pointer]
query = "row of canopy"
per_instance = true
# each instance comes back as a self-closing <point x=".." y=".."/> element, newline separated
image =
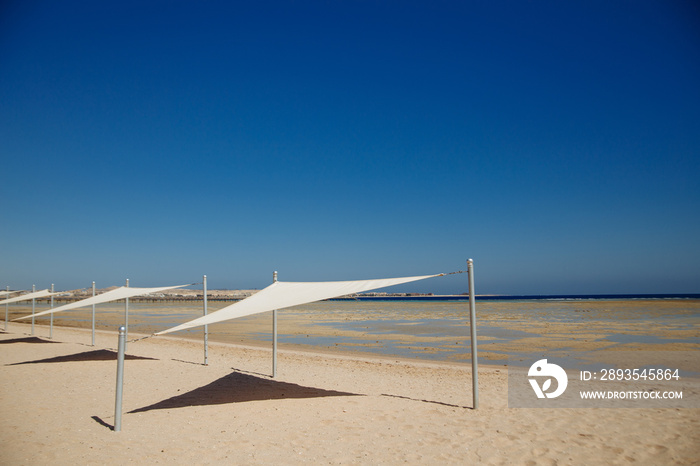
<point x="279" y="295"/>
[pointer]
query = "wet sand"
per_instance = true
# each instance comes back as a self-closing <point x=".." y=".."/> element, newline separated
<point x="507" y="331"/>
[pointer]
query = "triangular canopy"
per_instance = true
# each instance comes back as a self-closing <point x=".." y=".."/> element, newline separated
<point x="28" y="296"/>
<point x="114" y="295"/>
<point x="5" y="293"/>
<point x="281" y="295"/>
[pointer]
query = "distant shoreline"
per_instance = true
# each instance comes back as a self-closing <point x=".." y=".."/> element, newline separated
<point x="462" y="297"/>
<point x="238" y="295"/>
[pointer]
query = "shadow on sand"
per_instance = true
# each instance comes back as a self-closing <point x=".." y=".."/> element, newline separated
<point x="101" y="422"/>
<point x="427" y="401"/>
<point x="96" y="355"/>
<point x="26" y="340"/>
<point x="238" y="387"/>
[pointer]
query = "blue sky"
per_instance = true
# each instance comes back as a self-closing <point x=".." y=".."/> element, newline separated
<point x="555" y="143"/>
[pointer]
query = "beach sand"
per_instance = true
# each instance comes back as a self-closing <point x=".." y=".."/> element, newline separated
<point x="57" y="407"/>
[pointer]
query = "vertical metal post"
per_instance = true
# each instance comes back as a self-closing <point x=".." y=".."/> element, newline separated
<point x="33" y="303"/>
<point x="472" y="326"/>
<point x="93" y="315"/>
<point x="274" y="334"/>
<point x="120" y="380"/>
<point x="51" y="325"/>
<point x="206" y="327"/>
<point x="7" y="309"/>
<point x="126" y="314"/>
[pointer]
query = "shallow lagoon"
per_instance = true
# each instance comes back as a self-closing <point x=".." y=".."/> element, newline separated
<point x="508" y="331"/>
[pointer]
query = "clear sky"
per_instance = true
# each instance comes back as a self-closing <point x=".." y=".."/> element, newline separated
<point x="555" y="143"/>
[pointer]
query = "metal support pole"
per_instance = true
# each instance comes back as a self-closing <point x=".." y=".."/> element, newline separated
<point x="126" y="314"/>
<point x="7" y="309"/>
<point x="51" y="325"/>
<point x="33" y="306"/>
<point x="472" y="326"/>
<point x="274" y="334"/>
<point x="206" y="327"/>
<point x="120" y="380"/>
<point x="93" y="315"/>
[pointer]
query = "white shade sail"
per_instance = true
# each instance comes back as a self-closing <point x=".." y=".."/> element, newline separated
<point x="281" y="295"/>
<point x="28" y="296"/>
<point x="5" y="293"/>
<point x="114" y="295"/>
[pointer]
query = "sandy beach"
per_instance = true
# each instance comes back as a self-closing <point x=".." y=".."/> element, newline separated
<point x="57" y="407"/>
